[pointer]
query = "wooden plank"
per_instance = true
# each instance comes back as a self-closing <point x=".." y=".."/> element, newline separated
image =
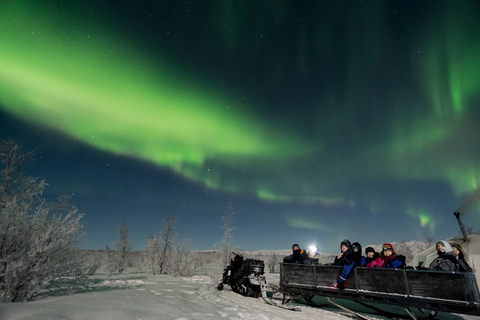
<point x="299" y="274"/>
<point x="450" y="286"/>
<point x="381" y="280"/>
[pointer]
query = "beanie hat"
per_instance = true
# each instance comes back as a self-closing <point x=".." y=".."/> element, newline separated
<point x="388" y="246"/>
<point x="346" y="243"/>
<point x="369" y="249"/>
<point x="295" y="245"/>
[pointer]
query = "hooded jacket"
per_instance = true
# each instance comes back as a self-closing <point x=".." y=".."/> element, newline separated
<point x="348" y="260"/>
<point x="446" y="261"/>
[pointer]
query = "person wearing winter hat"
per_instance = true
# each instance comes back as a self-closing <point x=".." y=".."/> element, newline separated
<point x="348" y="259"/>
<point x="390" y="259"/>
<point x="357" y="248"/>
<point x="462" y="259"/>
<point x="298" y="256"/>
<point x="446" y="260"/>
<point x="372" y="260"/>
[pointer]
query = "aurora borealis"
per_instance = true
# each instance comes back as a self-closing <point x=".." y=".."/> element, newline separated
<point x="320" y="120"/>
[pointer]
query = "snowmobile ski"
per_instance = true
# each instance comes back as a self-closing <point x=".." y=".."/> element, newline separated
<point x="273" y="303"/>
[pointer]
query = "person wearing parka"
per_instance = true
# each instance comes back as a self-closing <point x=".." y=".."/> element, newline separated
<point x="390" y="259"/>
<point x="298" y="256"/>
<point x="462" y="258"/>
<point x="348" y="259"/>
<point x="446" y="260"/>
<point x="372" y="260"/>
<point x="357" y="248"/>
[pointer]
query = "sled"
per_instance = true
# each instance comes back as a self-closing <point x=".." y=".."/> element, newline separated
<point x="455" y="292"/>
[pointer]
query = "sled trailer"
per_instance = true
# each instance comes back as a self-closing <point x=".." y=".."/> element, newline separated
<point x="455" y="292"/>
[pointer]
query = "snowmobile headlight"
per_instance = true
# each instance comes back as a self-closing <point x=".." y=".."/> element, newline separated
<point x="313" y="249"/>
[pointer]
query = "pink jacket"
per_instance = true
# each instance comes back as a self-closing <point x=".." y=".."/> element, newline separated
<point x="375" y="263"/>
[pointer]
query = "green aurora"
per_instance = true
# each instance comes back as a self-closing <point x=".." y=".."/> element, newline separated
<point x="65" y="70"/>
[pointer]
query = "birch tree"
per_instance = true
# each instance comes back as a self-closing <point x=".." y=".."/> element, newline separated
<point x="124" y="246"/>
<point x="167" y="242"/>
<point x="39" y="241"/>
<point x="272" y="262"/>
<point x="152" y="250"/>
<point x="227" y="240"/>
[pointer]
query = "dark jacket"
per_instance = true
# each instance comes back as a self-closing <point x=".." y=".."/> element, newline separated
<point x="463" y="266"/>
<point x="446" y="261"/>
<point x="298" y="256"/>
<point x="348" y="260"/>
<point x="359" y="252"/>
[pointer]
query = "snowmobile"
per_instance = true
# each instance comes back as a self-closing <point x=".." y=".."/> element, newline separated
<point x="245" y="278"/>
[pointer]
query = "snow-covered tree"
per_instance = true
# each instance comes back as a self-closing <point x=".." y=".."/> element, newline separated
<point x="123" y="246"/>
<point x="38" y="240"/>
<point x="182" y="260"/>
<point x="273" y="261"/>
<point x="167" y="242"/>
<point x="152" y="250"/>
<point x="226" y="245"/>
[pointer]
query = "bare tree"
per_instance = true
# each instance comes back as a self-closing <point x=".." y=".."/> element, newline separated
<point x="152" y="250"/>
<point x="182" y="264"/>
<point x="13" y="158"/>
<point x="38" y="240"/>
<point x="227" y="240"/>
<point x="429" y="239"/>
<point x="167" y="242"/>
<point x="272" y="262"/>
<point x="123" y="246"/>
<point x="402" y="246"/>
<point x="469" y="230"/>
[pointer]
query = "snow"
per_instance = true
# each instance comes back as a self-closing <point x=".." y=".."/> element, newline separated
<point x="143" y="296"/>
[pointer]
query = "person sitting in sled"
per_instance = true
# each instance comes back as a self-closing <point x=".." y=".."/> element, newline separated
<point x="348" y="259"/>
<point x="235" y="264"/>
<point x="298" y="256"/>
<point x="461" y="257"/>
<point x="372" y="260"/>
<point x="390" y="259"/>
<point x="357" y="248"/>
<point x="446" y="260"/>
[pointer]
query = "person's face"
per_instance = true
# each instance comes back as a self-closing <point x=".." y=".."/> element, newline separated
<point x="296" y="249"/>
<point x="440" y="247"/>
<point x="355" y="249"/>
<point x="344" y="248"/>
<point x="387" y="252"/>
<point x="370" y="255"/>
<point x="455" y="251"/>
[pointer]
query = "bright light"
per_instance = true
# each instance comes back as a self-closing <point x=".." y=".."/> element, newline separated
<point x="313" y="249"/>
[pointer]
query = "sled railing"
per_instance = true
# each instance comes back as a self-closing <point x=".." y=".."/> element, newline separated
<point x="455" y="292"/>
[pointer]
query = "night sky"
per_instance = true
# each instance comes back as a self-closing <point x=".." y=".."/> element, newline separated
<point x="320" y="120"/>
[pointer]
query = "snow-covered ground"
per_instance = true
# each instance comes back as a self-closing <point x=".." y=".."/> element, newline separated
<point x="142" y="296"/>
